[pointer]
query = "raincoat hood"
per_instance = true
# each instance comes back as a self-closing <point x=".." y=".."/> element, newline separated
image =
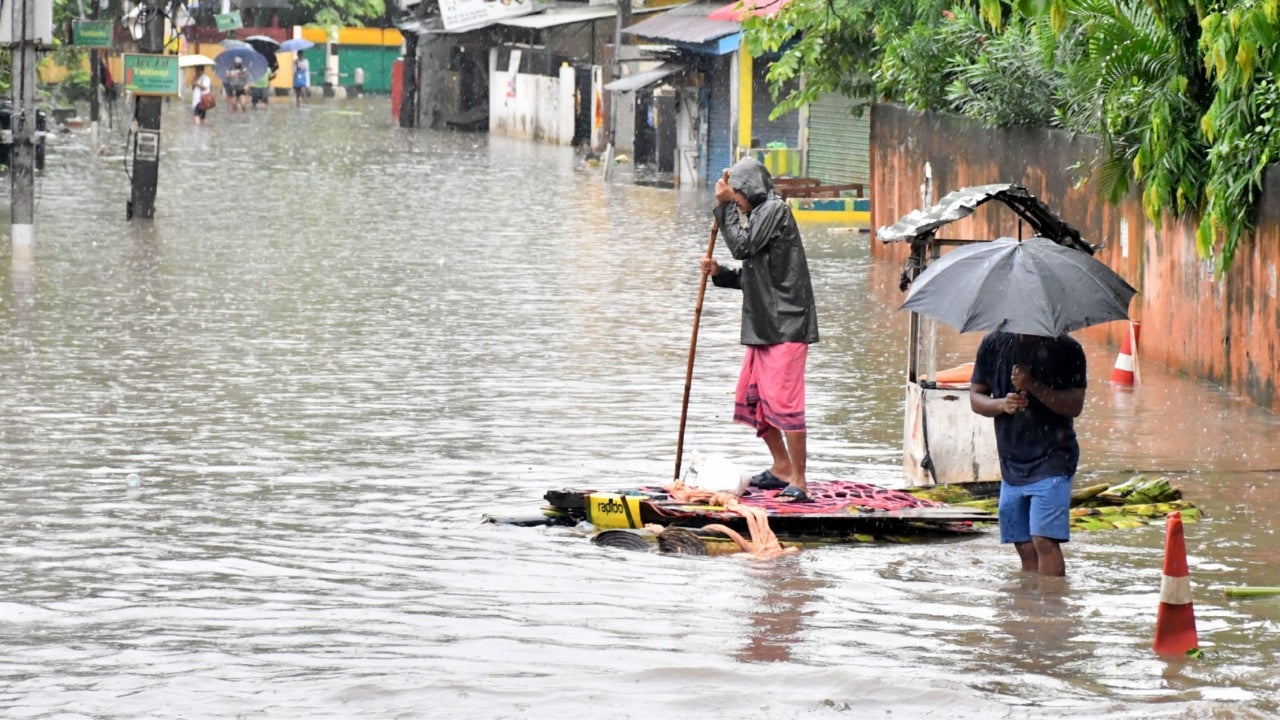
<point x="777" y="294"/>
<point x="751" y="178"/>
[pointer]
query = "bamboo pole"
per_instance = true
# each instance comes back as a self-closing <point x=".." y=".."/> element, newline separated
<point x="1244" y="591"/>
<point x="693" y="347"/>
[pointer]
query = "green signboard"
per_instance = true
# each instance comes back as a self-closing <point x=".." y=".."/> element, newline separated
<point x="91" y="33"/>
<point x="151" y="74"/>
<point x="230" y="21"/>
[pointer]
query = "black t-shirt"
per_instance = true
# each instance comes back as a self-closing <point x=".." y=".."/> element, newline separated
<point x="1037" y="443"/>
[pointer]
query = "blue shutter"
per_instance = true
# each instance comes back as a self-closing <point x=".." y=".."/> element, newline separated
<point x="719" y="120"/>
<point x="786" y="128"/>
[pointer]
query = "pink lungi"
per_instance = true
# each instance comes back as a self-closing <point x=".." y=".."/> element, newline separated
<point x="771" y="387"/>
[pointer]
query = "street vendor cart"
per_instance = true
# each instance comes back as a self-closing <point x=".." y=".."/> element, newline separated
<point x="944" y="441"/>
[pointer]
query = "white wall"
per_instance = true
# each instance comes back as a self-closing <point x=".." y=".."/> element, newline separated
<point x="534" y="107"/>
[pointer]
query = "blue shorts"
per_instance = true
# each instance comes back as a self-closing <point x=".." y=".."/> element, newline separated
<point x="1042" y="508"/>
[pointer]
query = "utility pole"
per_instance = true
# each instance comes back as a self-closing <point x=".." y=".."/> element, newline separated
<point x="409" y="82"/>
<point x="21" y="38"/>
<point x="146" y="114"/>
<point x="623" y="20"/>
<point x="95" y="81"/>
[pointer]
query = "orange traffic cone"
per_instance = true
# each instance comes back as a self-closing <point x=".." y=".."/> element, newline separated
<point x="1126" y="368"/>
<point x="1176" y="620"/>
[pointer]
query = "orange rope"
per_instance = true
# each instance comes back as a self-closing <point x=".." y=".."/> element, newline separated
<point x="763" y="543"/>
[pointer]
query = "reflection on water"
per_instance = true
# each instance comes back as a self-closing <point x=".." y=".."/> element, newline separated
<point x="341" y="343"/>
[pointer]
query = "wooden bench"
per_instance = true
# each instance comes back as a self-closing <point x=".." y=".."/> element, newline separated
<point x="813" y="188"/>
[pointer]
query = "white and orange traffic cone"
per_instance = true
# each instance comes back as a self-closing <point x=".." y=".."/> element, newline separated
<point x="1126" y="369"/>
<point x="1176" y="619"/>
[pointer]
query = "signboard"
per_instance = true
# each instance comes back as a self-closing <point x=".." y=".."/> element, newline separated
<point x="461" y="13"/>
<point x="91" y="33"/>
<point x="229" y="21"/>
<point x="151" y="74"/>
<point x="147" y="145"/>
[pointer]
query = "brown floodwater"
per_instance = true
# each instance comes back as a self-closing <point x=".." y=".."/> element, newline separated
<point x="341" y="344"/>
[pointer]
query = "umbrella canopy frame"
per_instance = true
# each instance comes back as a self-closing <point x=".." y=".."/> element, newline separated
<point x="267" y="47"/>
<point x="920" y="227"/>
<point x="1035" y="286"/>
<point x="296" y="44"/>
<point x="254" y="62"/>
<point x="195" y="60"/>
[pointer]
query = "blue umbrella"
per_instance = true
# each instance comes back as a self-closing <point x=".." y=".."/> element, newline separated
<point x="295" y="45"/>
<point x="253" y="60"/>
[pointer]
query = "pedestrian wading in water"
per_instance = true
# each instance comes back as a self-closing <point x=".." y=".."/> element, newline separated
<point x="1034" y="387"/>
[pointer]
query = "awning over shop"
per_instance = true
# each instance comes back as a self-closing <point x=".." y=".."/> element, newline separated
<point x="551" y="17"/>
<point x="748" y="8"/>
<point x="687" y="24"/>
<point x="433" y="25"/>
<point x="644" y="79"/>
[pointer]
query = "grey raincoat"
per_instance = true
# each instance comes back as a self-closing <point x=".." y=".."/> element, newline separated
<point x="777" y="295"/>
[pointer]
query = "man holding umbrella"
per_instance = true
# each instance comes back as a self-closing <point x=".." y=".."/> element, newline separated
<point x="1029" y="375"/>
<point x="236" y="80"/>
<point x="1034" y="387"/>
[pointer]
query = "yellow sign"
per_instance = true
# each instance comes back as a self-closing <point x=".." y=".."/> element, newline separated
<point x="612" y="511"/>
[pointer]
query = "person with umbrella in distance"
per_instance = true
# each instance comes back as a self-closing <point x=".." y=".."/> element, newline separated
<point x="301" y="79"/>
<point x="237" y="80"/>
<point x="201" y="85"/>
<point x="779" y="319"/>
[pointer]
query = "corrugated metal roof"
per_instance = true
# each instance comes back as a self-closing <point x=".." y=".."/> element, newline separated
<point x="753" y="8"/>
<point x="433" y="25"/>
<point x="686" y="24"/>
<point x="961" y="203"/>
<point x="644" y="79"/>
<point x="552" y="17"/>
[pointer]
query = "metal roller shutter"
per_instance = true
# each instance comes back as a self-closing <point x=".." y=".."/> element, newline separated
<point x="786" y="128"/>
<point x="839" y="143"/>
<point x="719" y="121"/>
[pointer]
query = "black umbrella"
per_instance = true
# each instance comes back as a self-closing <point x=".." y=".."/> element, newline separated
<point x="1033" y="287"/>
<point x="267" y="47"/>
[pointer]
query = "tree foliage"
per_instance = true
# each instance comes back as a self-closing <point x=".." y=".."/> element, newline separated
<point x="1182" y="94"/>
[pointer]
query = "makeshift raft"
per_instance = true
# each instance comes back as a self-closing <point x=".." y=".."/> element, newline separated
<point x="842" y="511"/>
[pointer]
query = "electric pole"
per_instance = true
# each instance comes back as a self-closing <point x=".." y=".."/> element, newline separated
<point x="21" y="39"/>
<point x="623" y="19"/>
<point x="95" y="80"/>
<point x="146" y="114"/>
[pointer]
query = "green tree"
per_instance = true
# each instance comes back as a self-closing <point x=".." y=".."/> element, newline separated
<point x="1240" y="46"/>
<point x="1182" y="94"/>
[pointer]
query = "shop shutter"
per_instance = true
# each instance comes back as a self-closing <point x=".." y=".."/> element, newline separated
<point x="839" y="143"/>
<point x="786" y="128"/>
<point x="719" y="121"/>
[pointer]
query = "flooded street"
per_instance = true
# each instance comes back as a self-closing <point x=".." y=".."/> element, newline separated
<point x="340" y="344"/>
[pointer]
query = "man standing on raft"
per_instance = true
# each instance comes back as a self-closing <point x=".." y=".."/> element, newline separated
<point x="779" y="319"/>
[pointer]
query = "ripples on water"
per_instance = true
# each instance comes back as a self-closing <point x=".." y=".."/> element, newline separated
<point x="341" y="343"/>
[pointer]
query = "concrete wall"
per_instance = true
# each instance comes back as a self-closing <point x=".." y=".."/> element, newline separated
<point x="533" y="107"/>
<point x="1221" y="330"/>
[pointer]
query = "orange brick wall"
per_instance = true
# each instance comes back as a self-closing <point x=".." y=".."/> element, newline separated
<point x="1221" y="330"/>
